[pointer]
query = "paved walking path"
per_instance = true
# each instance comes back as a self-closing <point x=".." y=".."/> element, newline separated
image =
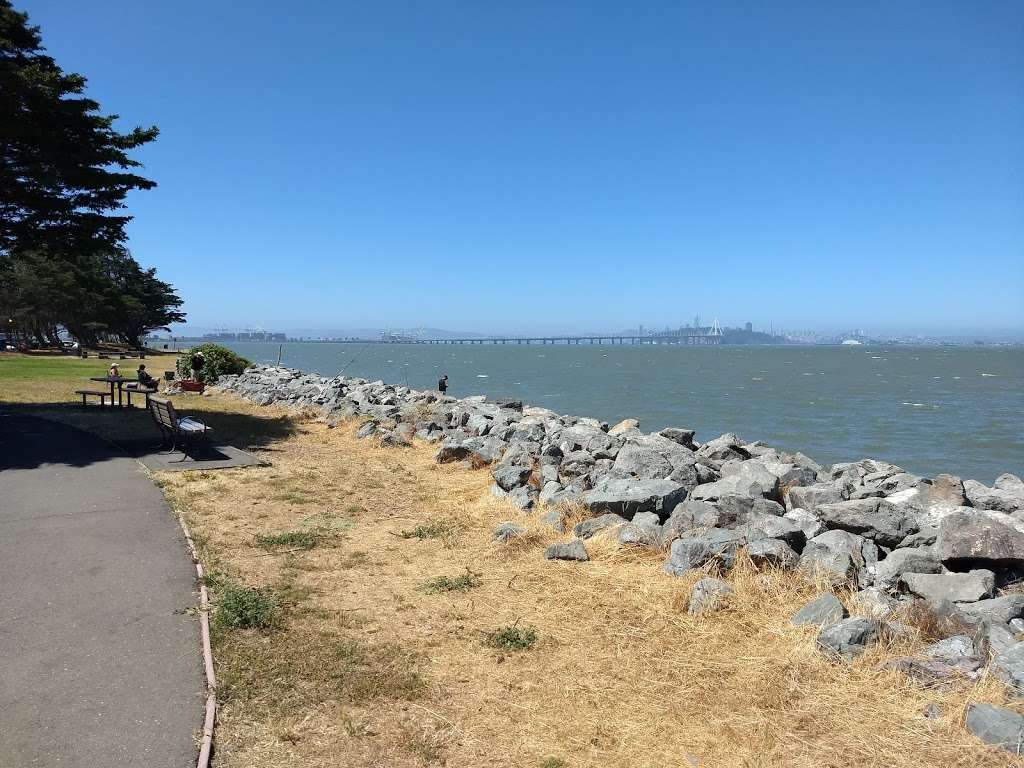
<point x="100" y="661"/>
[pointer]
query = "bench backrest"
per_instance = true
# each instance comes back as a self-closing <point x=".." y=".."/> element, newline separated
<point x="163" y="413"/>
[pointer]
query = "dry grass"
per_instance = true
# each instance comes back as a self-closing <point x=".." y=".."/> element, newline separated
<point x="371" y="669"/>
<point x="368" y="668"/>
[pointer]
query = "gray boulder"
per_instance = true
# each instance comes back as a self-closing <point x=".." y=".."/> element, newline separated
<point x="875" y="519"/>
<point x="572" y="550"/>
<point x="822" y="611"/>
<point x="707" y="595"/>
<point x="953" y="650"/>
<point x="689" y="516"/>
<point x="367" y="430"/>
<point x="509" y="476"/>
<point x="901" y="561"/>
<point x="980" y="538"/>
<point x="850" y="637"/>
<point x="810" y="497"/>
<point x="693" y="551"/>
<point x="640" y="534"/>
<point x="524" y="497"/>
<point x="1008" y="666"/>
<point x="771" y="527"/>
<point x="953" y="587"/>
<point x="874" y="602"/>
<point x="594" y="525"/>
<point x="728" y="447"/>
<point x="682" y="436"/>
<point x="808" y="522"/>
<point x="554" y="519"/>
<point x="1002" y="610"/>
<point x="772" y="553"/>
<point x="997" y="726"/>
<point x="627" y="497"/>
<point x="506" y="531"/>
<point x="1008" y="497"/>
<point x="842" y="556"/>
<point x="993" y="637"/>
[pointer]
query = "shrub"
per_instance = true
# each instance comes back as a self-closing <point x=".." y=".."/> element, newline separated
<point x="511" y="638"/>
<point x="462" y="583"/>
<point x="300" y="539"/>
<point x="240" y="607"/>
<point x="217" y="361"/>
<point x="432" y="529"/>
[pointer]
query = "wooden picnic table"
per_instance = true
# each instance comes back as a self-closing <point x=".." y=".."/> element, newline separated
<point x="118" y="381"/>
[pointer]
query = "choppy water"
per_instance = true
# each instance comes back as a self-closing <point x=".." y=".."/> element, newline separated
<point x="928" y="409"/>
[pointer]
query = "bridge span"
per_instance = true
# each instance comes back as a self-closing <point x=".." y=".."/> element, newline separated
<point x="675" y="338"/>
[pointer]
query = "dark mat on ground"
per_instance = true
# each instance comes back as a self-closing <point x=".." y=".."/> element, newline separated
<point x="198" y="457"/>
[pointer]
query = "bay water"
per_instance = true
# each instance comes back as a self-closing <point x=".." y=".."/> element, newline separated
<point x="928" y="409"/>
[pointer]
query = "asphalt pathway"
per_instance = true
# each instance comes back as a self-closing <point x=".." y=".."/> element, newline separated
<point x="100" y="661"/>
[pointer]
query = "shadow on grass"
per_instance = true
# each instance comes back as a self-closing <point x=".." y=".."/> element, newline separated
<point x="28" y="442"/>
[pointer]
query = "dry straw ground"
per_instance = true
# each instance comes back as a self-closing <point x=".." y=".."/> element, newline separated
<point x="375" y="664"/>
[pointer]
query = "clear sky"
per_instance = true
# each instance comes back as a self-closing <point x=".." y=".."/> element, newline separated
<point x="529" y="166"/>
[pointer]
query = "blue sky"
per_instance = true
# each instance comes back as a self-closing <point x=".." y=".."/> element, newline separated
<point x="570" y="166"/>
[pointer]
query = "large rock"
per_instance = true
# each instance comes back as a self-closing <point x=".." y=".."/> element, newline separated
<point x="997" y="726"/>
<point x="573" y="550"/>
<point x="748" y="478"/>
<point x="708" y="595"/>
<point x="951" y="587"/>
<point x="625" y="425"/>
<point x="808" y="522"/>
<point x="980" y="538"/>
<point x="999" y="609"/>
<point x="728" y="447"/>
<point x="693" y="551"/>
<point x="1008" y="666"/>
<point x="653" y="457"/>
<point x="901" y="561"/>
<point x="507" y="531"/>
<point x="479" y="450"/>
<point x="1007" y="497"/>
<point x="873" y="518"/>
<point x="689" y="516"/>
<point x="595" y="525"/>
<point x="842" y="556"/>
<point x="509" y="476"/>
<point x="850" y="637"/>
<point x="822" y="611"/>
<point x="810" y="497"/>
<point x="773" y="553"/>
<point x="640" y="534"/>
<point x="771" y="527"/>
<point x="627" y="497"/>
<point x="682" y="436"/>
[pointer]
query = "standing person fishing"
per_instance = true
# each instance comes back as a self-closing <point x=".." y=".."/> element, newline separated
<point x="442" y="384"/>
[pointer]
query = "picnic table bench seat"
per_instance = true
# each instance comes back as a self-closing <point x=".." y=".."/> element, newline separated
<point x="102" y="394"/>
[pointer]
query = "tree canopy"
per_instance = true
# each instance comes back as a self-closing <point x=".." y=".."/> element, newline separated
<point x="65" y="171"/>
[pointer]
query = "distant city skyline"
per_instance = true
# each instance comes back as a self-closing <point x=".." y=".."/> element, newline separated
<point x="564" y="167"/>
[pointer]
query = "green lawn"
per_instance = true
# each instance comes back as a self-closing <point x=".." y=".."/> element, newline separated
<point x="54" y="378"/>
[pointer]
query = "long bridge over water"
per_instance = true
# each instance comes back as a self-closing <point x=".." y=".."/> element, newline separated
<point x="687" y="336"/>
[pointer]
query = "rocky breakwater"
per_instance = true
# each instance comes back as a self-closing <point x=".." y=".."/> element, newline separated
<point x="891" y="538"/>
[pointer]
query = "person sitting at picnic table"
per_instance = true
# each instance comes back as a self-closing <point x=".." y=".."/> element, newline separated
<point x="145" y="380"/>
<point x="113" y="371"/>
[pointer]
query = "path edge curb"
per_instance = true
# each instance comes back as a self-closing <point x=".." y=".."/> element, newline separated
<point x="209" y="720"/>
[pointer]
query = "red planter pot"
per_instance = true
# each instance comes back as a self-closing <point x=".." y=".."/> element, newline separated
<point x="191" y="385"/>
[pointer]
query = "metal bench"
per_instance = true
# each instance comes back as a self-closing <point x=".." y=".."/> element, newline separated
<point x="102" y="394"/>
<point x="175" y="429"/>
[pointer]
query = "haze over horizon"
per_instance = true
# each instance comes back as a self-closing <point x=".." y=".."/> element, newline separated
<point x="538" y="169"/>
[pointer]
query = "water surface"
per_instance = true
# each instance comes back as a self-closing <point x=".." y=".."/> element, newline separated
<point x="928" y="409"/>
